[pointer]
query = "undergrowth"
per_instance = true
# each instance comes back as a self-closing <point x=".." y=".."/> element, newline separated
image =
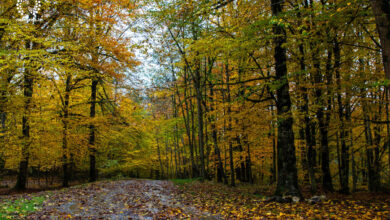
<point x="20" y="207"/>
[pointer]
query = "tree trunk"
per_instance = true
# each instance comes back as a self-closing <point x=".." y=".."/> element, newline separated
<point x="200" y="121"/>
<point x="194" y="172"/>
<point x="65" y="162"/>
<point x="344" y="152"/>
<point x="159" y="159"/>
<point x="308" y="158"/>
<point x="5" y="81"/>
<point x="274" y="150"/>
<point x="387" y="91"/>
<point x="287" y="170"/>
<point x="195" y="168"/>
<point x="229" y="112"/>
<point x="326" y="176"/>
<point x="369" y="145"/>
<point x="23" y="165"/>
<point x="28" y="93"/>
<point x="274" y="160"/>
<point x="354" y="174"/>
<point x="220" y="171"/>
<point x="92" y="135"/>
<point x="175" y="139"/>
<point x="381" y="9"/>
<point x="376" y="177"/>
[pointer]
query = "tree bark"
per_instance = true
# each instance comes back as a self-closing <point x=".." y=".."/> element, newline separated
<point x="287" y="171"/>
<point x="376" y="177"/>
<point x="229" y="112"/>
<point x="200" y="122"/>
<point x="194" y="170"/>
<point x="326" y="176"/>
<point x="344" y="152"/>
<point x="92" y="135"/>
<point x="381" y="9"/>
<point x="5" y="81"/>
<point x="220" y="171"/>
<point x="159" y="159"/>
<point x="28" y="86"/>
<point x="65" y="160"/>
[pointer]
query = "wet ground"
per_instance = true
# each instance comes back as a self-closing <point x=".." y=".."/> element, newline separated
<point x="124" y="199"/>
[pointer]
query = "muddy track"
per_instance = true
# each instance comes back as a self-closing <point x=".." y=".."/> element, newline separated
<point x="124" y="199"/>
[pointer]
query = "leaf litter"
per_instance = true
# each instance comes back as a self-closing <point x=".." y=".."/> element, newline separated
<point x="123" y="199"/>
<point x="156" y="199"/>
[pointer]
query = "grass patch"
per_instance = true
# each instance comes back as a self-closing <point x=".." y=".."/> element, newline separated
<point x="20" y="207"/>
<point x="184" y="181"/>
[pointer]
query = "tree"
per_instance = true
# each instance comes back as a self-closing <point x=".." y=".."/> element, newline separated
<point x="287" y="181"/>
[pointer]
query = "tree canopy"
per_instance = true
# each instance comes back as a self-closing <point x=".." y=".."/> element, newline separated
<point x="292" y="94"/>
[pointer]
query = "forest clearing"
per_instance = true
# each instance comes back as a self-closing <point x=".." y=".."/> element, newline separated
<point x="202" y="109"/>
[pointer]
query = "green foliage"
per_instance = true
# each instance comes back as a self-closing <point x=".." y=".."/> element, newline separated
<point x="184" y="181"/>
<point x="20" y="207"/>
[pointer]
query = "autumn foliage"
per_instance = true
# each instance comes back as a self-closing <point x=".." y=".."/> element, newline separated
<point x="292" y="95"/>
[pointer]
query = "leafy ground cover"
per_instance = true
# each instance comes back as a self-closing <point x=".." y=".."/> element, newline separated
<point x="181" y="199"/>
<point x="19" y="208"/>
<point x="184" y="181"/>
<point x="241" y="203"/>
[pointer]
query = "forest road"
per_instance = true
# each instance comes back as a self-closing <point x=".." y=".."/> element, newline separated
<point x="123" y="199"/>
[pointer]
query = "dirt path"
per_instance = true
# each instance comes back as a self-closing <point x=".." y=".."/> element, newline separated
<point x="125" y="199"/>
<point x="149" y="199"/>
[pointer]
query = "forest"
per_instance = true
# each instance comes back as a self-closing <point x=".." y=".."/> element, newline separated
<point x="279" y="99"/>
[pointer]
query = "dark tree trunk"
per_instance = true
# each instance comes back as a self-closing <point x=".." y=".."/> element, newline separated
<point x="200" y="121"/>
<point x="28" y="93"/>
<point x="220" y="171"/>
<point x="287" y="170"/>
<point x="167" y="158"/>
<point x="3" y="114"/>
<point x="23" y="165"/>
<point x="387" y="90"/>
<point x="354" y="174"/>
<point x="326" y="176"/>
<point x="65" y="160"/>
<point x="376" y="177"/>
<point x="186" y="112"/>
<point x="229" y="112"/>
<point x="199" y="98"/>
<point x="3" y="118"/>
<point x="5" y="81"/>
<point x="92" y="135"/>
<point x="159" y="159"/>
<point x="274" y="150"/>
<point x="176" y="135"/>
<point x="369" y="144"/>
<point x="195" y="169"/>
<point x="274" y="160"/>
<point x="344" y="152"/>
<point x="308" y="157"/>
<point x="381" y="9"/>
